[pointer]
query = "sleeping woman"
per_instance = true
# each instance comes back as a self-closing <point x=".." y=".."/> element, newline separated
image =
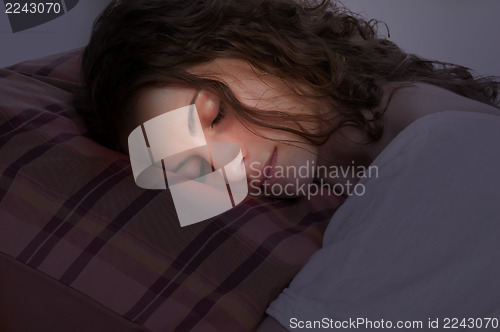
<point x="302" y="85"/>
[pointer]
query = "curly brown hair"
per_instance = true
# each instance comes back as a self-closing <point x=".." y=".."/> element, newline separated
<point x="321" y="50"/>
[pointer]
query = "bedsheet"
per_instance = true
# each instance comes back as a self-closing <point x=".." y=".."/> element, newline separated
<point x="421" y="245"/>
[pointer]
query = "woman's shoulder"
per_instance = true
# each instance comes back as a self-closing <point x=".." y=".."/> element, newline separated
<point x="408" y="102"/>
<point x="415" y="100"/>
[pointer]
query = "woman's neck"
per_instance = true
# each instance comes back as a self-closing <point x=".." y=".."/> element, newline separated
<point x="407" y="104"/>
<point x="410" y="103"/>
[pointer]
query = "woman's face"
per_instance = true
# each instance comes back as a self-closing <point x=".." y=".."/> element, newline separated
<point x="272" y="166"/>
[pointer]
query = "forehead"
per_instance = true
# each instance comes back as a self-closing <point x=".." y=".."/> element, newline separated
<point x="154" y="101"/>
<point x="229" y="70"/>
<point x="250" y="85"/>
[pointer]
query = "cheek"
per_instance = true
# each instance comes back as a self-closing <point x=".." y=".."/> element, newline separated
<point x="301" y="163"/>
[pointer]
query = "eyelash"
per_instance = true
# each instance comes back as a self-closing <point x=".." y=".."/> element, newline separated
<point x="220" y="115"/>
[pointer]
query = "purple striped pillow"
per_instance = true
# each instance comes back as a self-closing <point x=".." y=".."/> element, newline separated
<point x="70" y="209"/>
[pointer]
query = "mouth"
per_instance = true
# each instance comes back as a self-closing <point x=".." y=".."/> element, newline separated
<point x="268" y="169"/>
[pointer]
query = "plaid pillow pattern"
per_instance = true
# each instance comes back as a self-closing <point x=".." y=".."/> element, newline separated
<point x="70" y="209"/>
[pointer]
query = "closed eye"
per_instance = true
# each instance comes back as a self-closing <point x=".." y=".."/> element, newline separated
<point x="220" y="115"/>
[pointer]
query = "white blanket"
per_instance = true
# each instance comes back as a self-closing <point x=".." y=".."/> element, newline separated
<point x="422" y="244"/>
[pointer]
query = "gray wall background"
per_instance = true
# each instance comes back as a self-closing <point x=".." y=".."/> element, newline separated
<point x="69" y="31"/>
<point x="459" y="31"/>
<point x="464" y="32"/>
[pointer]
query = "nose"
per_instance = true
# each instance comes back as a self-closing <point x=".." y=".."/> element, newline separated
<point x="210" y="152"/>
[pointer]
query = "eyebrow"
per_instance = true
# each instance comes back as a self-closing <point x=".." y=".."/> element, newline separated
<point x="191" y="125"/>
